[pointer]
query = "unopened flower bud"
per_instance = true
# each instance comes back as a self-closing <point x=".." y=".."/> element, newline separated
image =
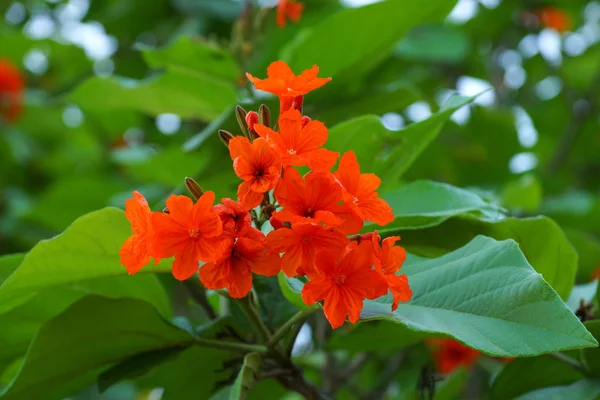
<point x="298" y="103"/>
<point x="240" y="115"/>
<point x="252" y="119"/>
<point x="194" y="188"/>
<point x="264" y="115"/>
<point x="305" y="120"/>
<point x="276" y="223"/>
<point x="225" y="136"/>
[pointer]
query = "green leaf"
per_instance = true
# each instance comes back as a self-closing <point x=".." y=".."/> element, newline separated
<point x="436" y="43"/>
<point x="246" y="378"/>
<point x="423" y="204"/>
<point x="389" y="153"/>
<point x="435" y="218"/>
<point x="524" y="194"/>
<point x="375" y="336"/>
<point x="73" y="348"/>
<point x="488" y="297"/>
<point x="176" y="91"/>
<point x="8" y="264"/>
<point x="524" y="375"/>
<point x="586" y="389"/>
<point x="451" y="388"/>
<point x="587" y="246"/>
<point x="292" y="289"/>
<point x="357" y="51"/>
<point x="194" y="55"/>
<point x="87" y="250"/>
<point x="585" y="293"/>
<point x="136" y="366"/>
<point x="591" y="357"/>
<point x="195" y="370"/>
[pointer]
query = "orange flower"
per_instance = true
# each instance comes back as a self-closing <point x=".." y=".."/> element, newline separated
<point x="258" y="165"/>
<point x="301" y="242"/>
<point x="315" y="198"/>
<point x="360" y="191"/>
<point x="299" y="144"/>
<point x="190" y="232"/>
<point x="387" y="260"/>
<point x="449" y="354"/>
<point x="234" y="269"/>
<point x="290" y="9"/>
<point x="12" y="84"/>
<point x="237" y="222"/>
<point x="345" y="284"/>
<point x="137" y="249"/>
<point x="283" y="83"/>
<point x="554" y="18"/>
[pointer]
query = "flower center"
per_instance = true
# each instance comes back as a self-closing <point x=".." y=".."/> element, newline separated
<point x="291" y="152"/>
<point x="310" y="213"/>
<point x="339" y="279"/>
<point x="194" y="232"/>
<point x="355" y="201"/>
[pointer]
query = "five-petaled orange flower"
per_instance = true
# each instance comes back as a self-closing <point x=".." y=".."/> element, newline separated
<point x="237" y="221"/>
<point x="12" y="84"/>
<point x="299" y="144"/>
<point x="301" y="242"/>
<point x="314" y="198"/>
<point x="190" y="232"/>
<point x="387" y="260"/>
<point x="555" y="18"/>
<point x="233" y="270"/>
<point x="258" y="165"/>
<point x="360" y="191"/>
<point x="137" y="249"/>
<point x="283" y="83"/>
<point x="344" y="284"/>
<point x="290" y="9"/>
<point x="449" y="354"/>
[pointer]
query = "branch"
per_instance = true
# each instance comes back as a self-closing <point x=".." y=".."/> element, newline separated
<point x="296" y="319"/>
<point x="231" y="346"/>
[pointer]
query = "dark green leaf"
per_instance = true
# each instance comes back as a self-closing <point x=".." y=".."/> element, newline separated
<point x="436" y="43"/>
<point x="591" y="357"/>
<point x="451" y="387"/>
<point x="92" y="334"/>
<point x="524" y="375"/>
<point x="586" y="389"/>
<point x="246" y="378"/>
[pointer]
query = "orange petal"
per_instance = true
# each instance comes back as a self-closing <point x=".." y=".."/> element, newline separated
<point x="185" y="264"/>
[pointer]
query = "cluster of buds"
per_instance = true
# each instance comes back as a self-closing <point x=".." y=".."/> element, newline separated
<point x="314" y="220"/>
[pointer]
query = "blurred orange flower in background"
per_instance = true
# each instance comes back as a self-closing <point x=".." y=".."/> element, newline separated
<point x="12" y="84"/>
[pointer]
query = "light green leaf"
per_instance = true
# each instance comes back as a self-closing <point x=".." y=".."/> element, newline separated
<point x="524" y="375"/>
<point x="176" y="91"/>
<point x="87" y="250"/>
<point x="92" y="334"/>
<point x="389" y="153"/>
<point x="524" y="194"/>
<point x="436" y="43"/>
<point x="586" y="389"/>
<point x="358" y="51"/>
<point x="292" y="289"/>
<point x="246" y="378"/>
<point x="425" y="203"/>
<point x="488" y="297"/>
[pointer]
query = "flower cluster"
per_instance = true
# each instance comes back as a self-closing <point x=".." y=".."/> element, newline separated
<point x="11" y="91"/>
<point x="288" y="9"/>
<point x="315" y="218"/>
<point x="450" y="354"/>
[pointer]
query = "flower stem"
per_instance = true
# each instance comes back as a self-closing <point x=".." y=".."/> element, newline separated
<point x="252" y="314"/>
<point x="231" y="346"/>
<point x="296" y="319"/>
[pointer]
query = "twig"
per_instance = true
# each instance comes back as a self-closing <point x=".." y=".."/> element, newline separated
<point x="298" y="318"/>
<point x="257" y="322"/>
<point x="292" y="340"/>
<point x="573" y="363"/>
<point x="231" y="346"/>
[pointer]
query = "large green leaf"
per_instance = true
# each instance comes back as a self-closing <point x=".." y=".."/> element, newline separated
<point x="358" y="50"/>
<point x="435" y="218"/>
<point x="247" y="377"/>
<point x="524" y="375"/>
<point x="87" y="250"/>
<point x="176" y="91"/>
<point x="389" y="153"/>
<point x="585" y="389"/>
<point x="487" y="296"/>
<point x="92" y="334"/>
